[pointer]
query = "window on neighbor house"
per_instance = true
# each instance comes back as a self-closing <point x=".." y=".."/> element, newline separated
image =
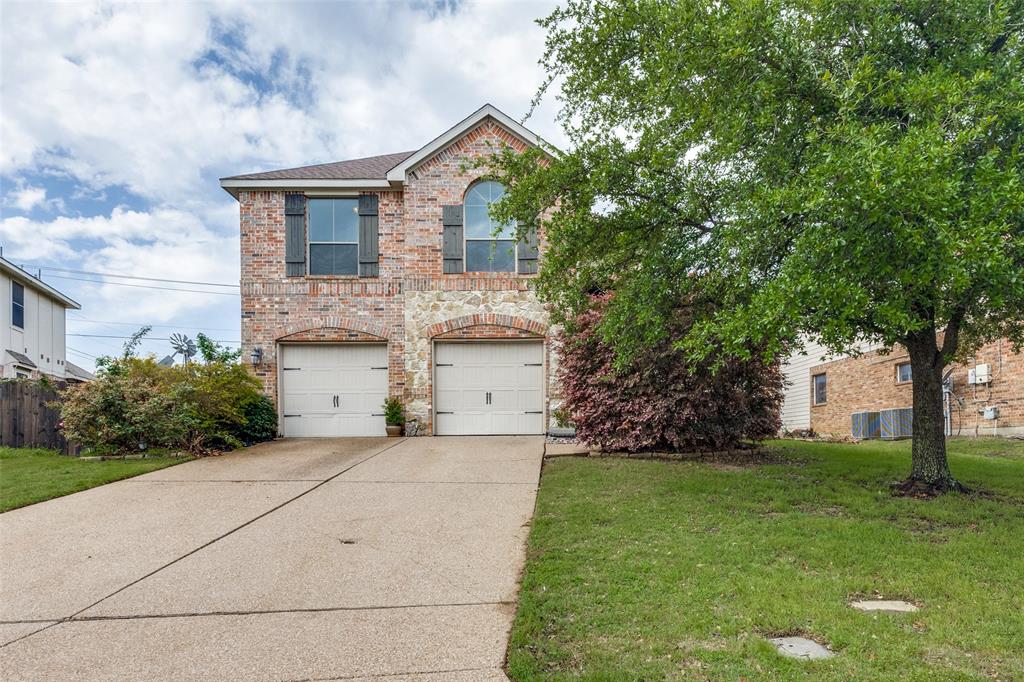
<point x="820" y="388"/>
<point x="333" y="236"/>
<point x="490" y="246"/>
<point x="903" y="373"/>
<point x="18" y="305"/>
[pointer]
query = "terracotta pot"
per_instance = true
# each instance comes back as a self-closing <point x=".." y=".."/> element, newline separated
<point x="394" y="430"/>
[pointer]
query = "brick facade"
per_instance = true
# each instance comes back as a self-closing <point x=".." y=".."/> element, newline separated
<point x="410" y="304"/>
<point x="869" y="383"/>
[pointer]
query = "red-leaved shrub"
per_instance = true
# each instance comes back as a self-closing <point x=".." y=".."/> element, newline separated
<point x="657" y="402"/>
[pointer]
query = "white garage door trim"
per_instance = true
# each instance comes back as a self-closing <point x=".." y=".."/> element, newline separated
<point x="476" y="391"/>
<point x="329" y="390"/>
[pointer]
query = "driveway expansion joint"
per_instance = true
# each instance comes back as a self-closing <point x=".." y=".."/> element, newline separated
<point x="270" y="612"/>
<point x="73" y="617"/>
<point x="384" y="676"/>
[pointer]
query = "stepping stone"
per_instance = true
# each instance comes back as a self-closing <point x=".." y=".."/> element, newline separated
<point x="801" y="647"/>
<point x="892" y="606"/>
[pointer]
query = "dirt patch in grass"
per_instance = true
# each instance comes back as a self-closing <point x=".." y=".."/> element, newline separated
<point x="723" y="460"/>
<point x="831" y="510"/>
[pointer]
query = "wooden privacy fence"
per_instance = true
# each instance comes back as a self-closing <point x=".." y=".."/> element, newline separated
<point x="25" y="418"/>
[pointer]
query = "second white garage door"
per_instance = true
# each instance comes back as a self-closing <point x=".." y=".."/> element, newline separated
<point x="489" y="388"/>
<point x="333" y="390"/>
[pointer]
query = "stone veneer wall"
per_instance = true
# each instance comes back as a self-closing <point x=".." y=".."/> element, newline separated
<point x="410" y="303"/>
<point x="425" y="313"/>
<point x="868" y="383"/>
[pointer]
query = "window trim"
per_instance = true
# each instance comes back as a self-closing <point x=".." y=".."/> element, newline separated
<point x="494" y="240"/>
<point x="310" y="242"/>
<point x="899" y="381"/>
<point x="15" y="304"/>
<point x="814" y="388"/>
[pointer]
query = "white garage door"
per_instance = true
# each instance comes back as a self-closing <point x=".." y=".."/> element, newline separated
<point x="333" y="390"/>
<point x="489" y="387"/>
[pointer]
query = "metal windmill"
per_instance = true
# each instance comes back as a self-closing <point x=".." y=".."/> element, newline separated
<point x="183" y="346"/>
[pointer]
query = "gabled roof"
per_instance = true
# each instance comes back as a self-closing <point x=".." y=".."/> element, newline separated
<point x="397" y="174"/>
<point x="39" y="285"/>
<point x="386" y="171"/>
<point x="368" y="168"/>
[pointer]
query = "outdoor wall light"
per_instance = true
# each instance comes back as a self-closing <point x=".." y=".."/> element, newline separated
<point x="256" y="356"/>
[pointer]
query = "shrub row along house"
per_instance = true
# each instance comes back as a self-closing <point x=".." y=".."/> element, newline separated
<point x="386" y="276"/>
<point x="985" y="393"/>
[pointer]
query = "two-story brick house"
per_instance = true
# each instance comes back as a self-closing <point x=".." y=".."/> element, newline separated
<point x="386" y="276"/>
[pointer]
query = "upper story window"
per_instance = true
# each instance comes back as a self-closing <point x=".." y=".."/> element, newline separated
<point x="903" y="373"/>
<point x="490" y="246"/>
<point x="333" y="236"/>
<point x="17" y="305"/>
<point x="819" y="388"/>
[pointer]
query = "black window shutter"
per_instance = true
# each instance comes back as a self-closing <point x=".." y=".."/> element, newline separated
<point x="369" y="236"/>
<point x="451" y="241"/>
<point x="294" y="235"/>
<point x="527" y="251"/>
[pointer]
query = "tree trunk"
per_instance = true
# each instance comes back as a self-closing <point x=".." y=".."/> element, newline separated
<point x="929" y="467"/>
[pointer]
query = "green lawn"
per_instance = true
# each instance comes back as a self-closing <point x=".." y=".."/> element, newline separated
<point x="647" y="570"/>
<point x="31" y="475"/>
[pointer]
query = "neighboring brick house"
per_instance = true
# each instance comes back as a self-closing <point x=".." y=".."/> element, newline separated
<point x="824" y="390"/>
<point x="381" y="276"/>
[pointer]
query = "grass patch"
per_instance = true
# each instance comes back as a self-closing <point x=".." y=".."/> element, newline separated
<point x="30" y="475"/>
<point x="648" y="570"/>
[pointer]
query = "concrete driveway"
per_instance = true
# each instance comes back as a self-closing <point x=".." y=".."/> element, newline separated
<point x="294" y="560"/>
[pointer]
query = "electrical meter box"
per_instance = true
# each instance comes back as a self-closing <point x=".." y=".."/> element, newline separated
<point x="979" y="375"/>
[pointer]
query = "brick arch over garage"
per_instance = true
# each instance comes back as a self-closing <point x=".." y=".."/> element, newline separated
<point x="333" y="329"/>
<point x="487" y="319"/>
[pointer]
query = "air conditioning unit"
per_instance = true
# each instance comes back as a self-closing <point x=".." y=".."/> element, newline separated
<point x="897" y="423"/>
<point x="865" y="425"/>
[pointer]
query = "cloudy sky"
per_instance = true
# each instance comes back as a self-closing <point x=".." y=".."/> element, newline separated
<point x="117" y="121"/>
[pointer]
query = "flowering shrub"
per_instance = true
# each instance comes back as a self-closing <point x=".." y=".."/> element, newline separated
<point x="662" y="401"/>
<point x="135" y="404"/>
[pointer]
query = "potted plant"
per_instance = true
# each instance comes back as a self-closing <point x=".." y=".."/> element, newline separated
<point x="394" y="416"/>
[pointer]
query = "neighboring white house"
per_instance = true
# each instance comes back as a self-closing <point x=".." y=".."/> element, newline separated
<point x="796" y="370"/>
<point x="32" y="327"/>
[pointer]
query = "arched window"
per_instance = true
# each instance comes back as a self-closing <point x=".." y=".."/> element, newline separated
<point x="490" y="246"/>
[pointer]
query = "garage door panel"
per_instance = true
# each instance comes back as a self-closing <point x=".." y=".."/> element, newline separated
<point x="511" y="372"/>
<point x="530" y="400"/>
<point x="318" y="373"/>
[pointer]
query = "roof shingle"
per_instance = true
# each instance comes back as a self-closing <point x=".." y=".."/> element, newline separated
<point x="368" y="168"/>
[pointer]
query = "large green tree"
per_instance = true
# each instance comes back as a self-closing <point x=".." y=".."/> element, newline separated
<point x="846" y="170"/>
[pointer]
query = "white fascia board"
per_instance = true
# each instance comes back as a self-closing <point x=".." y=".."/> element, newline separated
<point x="397" y="174"/>
<point x="26" y="279"/>
<point x="233" y="186"/>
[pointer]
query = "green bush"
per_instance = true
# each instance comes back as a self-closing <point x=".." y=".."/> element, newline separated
<point x="260" y="422"/>
<point x="127" y="408"/>
<point x="136" y="404"/>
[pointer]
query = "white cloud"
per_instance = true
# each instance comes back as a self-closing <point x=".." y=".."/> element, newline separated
<point x="27" y="198"/>
<point x="160" y="99"/>
<point x="113" y="95"/>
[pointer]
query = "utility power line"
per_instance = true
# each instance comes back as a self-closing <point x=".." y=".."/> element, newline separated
<point x="47" y="268"/>
<point x="144" y="338"/>
<point x="81" y="352"/>
<point x="148" y="286"/>
<point x="182" y="325"/>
